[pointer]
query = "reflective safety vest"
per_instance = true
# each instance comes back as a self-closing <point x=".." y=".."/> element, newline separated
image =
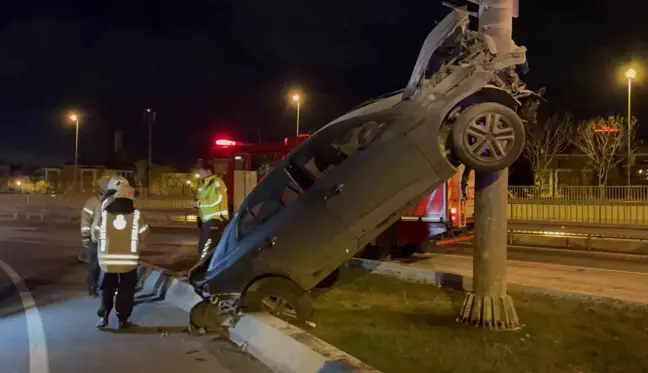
<point x="212" y="199"/>
<point x="87" y="216"/>
<point x="119" y="241"/>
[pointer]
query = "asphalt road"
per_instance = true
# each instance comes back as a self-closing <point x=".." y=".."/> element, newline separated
<point x="597" y="260"/>
<point x="47" y="320"/>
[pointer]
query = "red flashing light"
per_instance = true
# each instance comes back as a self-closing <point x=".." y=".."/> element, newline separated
<point x="304" y="135"/>
<point x="285" y="141"/>
<point x="148" y="110"/>
<point x="224" y="142"/>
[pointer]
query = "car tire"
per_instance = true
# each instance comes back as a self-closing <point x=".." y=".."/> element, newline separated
<point x="504" y="137"/>
<point x="279" y="297"/>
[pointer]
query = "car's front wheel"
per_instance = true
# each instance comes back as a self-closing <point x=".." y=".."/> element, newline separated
<point x="280" y="297"/>
<point x="488" y="137"/>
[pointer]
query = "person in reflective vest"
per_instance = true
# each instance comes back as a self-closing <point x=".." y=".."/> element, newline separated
<point x="212" y="205"/>
<point x="87" y="217"/>
<point x="119" y="230"/>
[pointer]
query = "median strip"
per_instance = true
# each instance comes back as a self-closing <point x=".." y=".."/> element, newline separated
<point x="398" y="326"/>
<point x="280" y="346"/>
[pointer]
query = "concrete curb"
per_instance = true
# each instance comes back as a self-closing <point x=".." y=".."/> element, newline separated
<point x="464" y="283"/>
<point x="280" y="346"/>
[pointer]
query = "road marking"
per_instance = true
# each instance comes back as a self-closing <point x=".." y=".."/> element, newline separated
<point x="38" y="360"/>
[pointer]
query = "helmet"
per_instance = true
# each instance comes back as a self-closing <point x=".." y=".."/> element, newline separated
<point x="102" y="183"/>
<point x="119" y="187"/>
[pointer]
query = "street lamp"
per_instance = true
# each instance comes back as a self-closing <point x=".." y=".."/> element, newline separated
<point x="629" y="74"/>
<point x="297" y="98"/>
<point x="75" y="118"/>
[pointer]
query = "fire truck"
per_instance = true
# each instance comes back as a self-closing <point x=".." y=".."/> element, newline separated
<point x="445" y="216"/>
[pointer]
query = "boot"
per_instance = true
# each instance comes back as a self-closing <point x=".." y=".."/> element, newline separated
<point x="102" y="322"/>
<point x="92" y="291"/>
<point x="124" y="324"/>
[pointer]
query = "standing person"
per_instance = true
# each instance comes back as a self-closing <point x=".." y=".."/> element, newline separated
<point x="212" y="206"/>
<point x="119" y="229"/>
<point x="87" y="217"/>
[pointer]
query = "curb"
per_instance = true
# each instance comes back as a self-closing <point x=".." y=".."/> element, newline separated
<point x="280" y="346"/>
<point x="464" y="283"/>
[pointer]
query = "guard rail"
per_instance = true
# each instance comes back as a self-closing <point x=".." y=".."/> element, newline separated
<point x="171" y="217"/>
<point x="580" y="231"/>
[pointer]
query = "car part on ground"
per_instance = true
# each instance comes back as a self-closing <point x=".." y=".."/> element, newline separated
<point x="488" y="137"/>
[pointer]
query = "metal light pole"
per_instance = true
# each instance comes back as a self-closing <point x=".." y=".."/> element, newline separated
<point x="75" y="118"/>
<point x="297" y="99"/>
<point x="150" y="147"/>
<point x="630" y="74"/>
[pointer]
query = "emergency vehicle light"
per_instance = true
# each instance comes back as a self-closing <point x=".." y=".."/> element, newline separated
<point x="224" y="142"/>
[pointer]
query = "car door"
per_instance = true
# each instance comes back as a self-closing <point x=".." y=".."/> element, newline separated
<point x="294" y="230"/>
<point x="380" y="171"/>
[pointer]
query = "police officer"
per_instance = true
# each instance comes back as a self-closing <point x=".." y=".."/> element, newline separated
<point x="87" y="217"/>
<point x="212" y="206"/>
<point x="119" y="229"/>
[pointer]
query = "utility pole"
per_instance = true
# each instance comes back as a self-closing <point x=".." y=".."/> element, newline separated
<point x="488" y="304"/>
<point x="150" y="119"/>
<point x="630" y="74"/>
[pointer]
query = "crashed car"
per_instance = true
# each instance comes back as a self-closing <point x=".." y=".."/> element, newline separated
<point x="357" y="175"/>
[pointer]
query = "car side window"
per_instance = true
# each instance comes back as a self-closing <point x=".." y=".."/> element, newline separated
<point x="260" y="210"/>
<point x="339" y="144"/>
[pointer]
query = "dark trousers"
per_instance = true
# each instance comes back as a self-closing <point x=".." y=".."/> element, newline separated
<point x="124" y="285"/>
<point x="94" y="272"/>
<point x="210" y="233"/>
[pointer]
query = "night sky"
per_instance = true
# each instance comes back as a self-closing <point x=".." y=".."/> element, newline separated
<point x="210" y="67"/>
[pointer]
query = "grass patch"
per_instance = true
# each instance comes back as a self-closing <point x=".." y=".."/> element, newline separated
<point x="399" y="326"/>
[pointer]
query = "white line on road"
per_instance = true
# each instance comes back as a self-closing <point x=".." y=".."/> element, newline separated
<point x="38" y="360"/>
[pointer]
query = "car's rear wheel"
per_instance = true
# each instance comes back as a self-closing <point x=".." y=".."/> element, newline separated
<point x="488" y="137"/>
<point x="279" y="297"/>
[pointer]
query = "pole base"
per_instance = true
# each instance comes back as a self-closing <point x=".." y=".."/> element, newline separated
<point x="489" y="312"/>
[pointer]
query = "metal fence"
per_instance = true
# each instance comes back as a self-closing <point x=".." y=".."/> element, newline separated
<point x="44" y="201"/>
<point x="579" y="194"/>
<point x="601" y="205"/>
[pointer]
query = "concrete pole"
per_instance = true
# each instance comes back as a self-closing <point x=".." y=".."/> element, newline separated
<point x="488" y="304"/>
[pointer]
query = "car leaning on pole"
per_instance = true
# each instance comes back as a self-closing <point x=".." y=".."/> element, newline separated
<point x="359" y="174"/>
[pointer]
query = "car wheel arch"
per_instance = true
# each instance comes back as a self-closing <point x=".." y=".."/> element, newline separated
<point x="264" y="276"/>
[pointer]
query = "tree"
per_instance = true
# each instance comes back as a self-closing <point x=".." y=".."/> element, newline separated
<point x="599" y="139"/>
<point x="543" y="142"/>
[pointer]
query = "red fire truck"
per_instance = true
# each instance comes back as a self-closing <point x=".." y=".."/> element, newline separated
<point x="446" y="215"/>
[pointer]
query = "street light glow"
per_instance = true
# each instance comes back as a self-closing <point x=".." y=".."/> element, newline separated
<point x="296" y="97"/>
<point x="631" y="74"/>
<point x="74" y="117"/>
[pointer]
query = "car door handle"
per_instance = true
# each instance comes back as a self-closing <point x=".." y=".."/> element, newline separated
<point x="334" y="191"/>
<point x="270" y="242"/>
